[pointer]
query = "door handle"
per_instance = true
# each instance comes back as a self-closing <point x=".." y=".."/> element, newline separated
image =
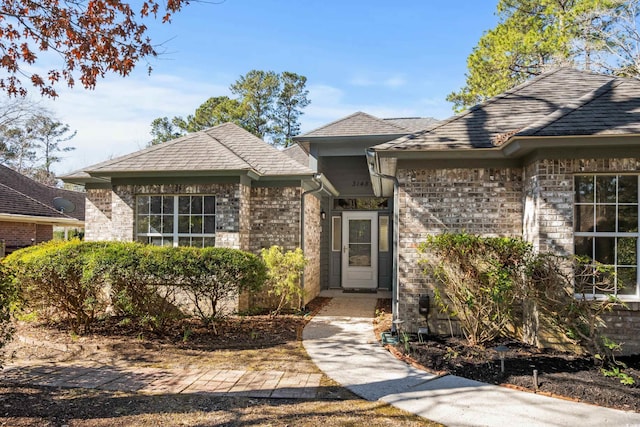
<point x="345" y="249"/>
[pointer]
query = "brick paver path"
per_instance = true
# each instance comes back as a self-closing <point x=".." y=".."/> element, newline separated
<point x="273" y="384"/>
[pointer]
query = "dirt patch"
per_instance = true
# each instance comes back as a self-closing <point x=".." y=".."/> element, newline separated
<point x="559" y="374"/>
<point x="241" y="342"/>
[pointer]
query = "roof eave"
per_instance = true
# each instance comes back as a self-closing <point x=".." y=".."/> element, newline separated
<point x="67" y="222"/>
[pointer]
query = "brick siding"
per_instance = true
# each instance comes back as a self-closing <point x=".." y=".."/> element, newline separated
<point x="535" y="202"/>
<point x="480" y="201"/>
<point x="20" y="234"/>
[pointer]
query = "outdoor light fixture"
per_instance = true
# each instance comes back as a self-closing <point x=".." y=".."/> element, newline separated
<point x="501" y="349"/>
<point x="323" y="215"/>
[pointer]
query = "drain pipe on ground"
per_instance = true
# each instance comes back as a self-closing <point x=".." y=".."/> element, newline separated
<point x="318" y="179"/>
<point x="371" y="162"/>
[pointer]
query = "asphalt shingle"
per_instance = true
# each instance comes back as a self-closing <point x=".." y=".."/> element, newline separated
<point x="560" y="102"/>
<point x="24" y="196"/>
<point x="226" y="147"/>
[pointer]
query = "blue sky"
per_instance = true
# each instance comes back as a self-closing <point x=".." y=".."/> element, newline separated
<point x="388" y="58"/>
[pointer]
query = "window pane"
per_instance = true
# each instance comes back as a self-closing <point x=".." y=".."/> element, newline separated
<point x="156" y="241"/>
<point x="143" y="224"/>
<point x="584" y="189"/>
<point x="167" y="205"/>
<point x="605" y="218"/>
<point x="627" y="281"/>
<point x="209" y="241"/>
<point x="628" y="218"/>
<point x="184" y="241"/>
<point x="196" y="225"/>
<point x="183" y="224"/>
<point x="143" y="204"/>
<point x="142" y="239"/>
<point x="154" y="224"/>
<point x="167" y="224"/>
<point x="359" y="231"/>
<point x="383" y="241"/>
<point x="627" y="251"/>
<point x="336" y="233"/>
<point x="167" y="241"/>
<point x="155" y="204"/>
<point x="209" y="224"/>
<point x="628" y="189"/>
<point x="605" y="247"/>
<point x="584" y="246"/>
<point x="606" y="189"/>
<point x="584" y="218"/>
<point x="196" y="205"/>
<point x="209" y="205"/>
<point x="183" y="204"/>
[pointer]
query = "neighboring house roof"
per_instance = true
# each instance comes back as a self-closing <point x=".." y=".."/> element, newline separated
<point x="558" y="103"/>
<point x="298" y="154"/>
<point x="363" y="124"/>
<point x="220" y="149"/>
<point x="22" y="196"/>
<point x="413" y="124"/>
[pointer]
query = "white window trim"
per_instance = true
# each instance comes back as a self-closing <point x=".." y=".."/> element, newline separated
<point x="611" y="234"/>
<point x="175" y="235"/>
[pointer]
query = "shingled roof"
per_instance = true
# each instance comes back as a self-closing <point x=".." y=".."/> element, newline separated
<point x="363" y="124"/>
<point x="220" y="149"/>
<point x="558" y="103"/>
<point x="20" y="195"/>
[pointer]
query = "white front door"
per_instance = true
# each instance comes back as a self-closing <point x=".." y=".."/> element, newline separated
<point x="360" y="250"/>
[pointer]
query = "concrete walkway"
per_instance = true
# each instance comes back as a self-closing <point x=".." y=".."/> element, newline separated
<point x="340" y="340"/>
<point x="267" y="384"/>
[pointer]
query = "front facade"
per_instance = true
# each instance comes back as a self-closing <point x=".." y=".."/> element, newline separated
<point x="220" y="187"/>
<point x="555" y="161"/>
<point x="356" y="251"/>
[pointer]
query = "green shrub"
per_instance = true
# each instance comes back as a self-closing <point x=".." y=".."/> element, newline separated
<point x="8" y="298"/>
<point x="148" y="284"/>
<point x="213" y="276"/>
<point x="482" y="278"/>
<point x="56" y="275"/>
<point x="495" y="285"/>
<point x="284" y="272"/>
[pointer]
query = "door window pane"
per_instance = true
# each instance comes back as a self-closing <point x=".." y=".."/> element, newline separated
<point x="359" y="255"/>
<point x="359" y="231"/>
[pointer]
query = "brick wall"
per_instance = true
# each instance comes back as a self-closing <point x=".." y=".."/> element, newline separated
<point x="535" y="202"/>
<point x="311" y="247"/>
<point x="98" y="215"/>
<point x="275" y="218"/>
<point x="479" y="201"/>
<point x="19" y="234"/>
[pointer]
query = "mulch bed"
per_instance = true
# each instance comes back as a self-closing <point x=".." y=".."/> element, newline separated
<point x="560" y="374"/>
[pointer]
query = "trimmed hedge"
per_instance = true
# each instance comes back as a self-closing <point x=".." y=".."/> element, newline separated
<point x="81" y="280"/>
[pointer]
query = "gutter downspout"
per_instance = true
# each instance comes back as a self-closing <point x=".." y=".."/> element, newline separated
<point x="371" y="154"/>
<point x="318" y="179"/>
